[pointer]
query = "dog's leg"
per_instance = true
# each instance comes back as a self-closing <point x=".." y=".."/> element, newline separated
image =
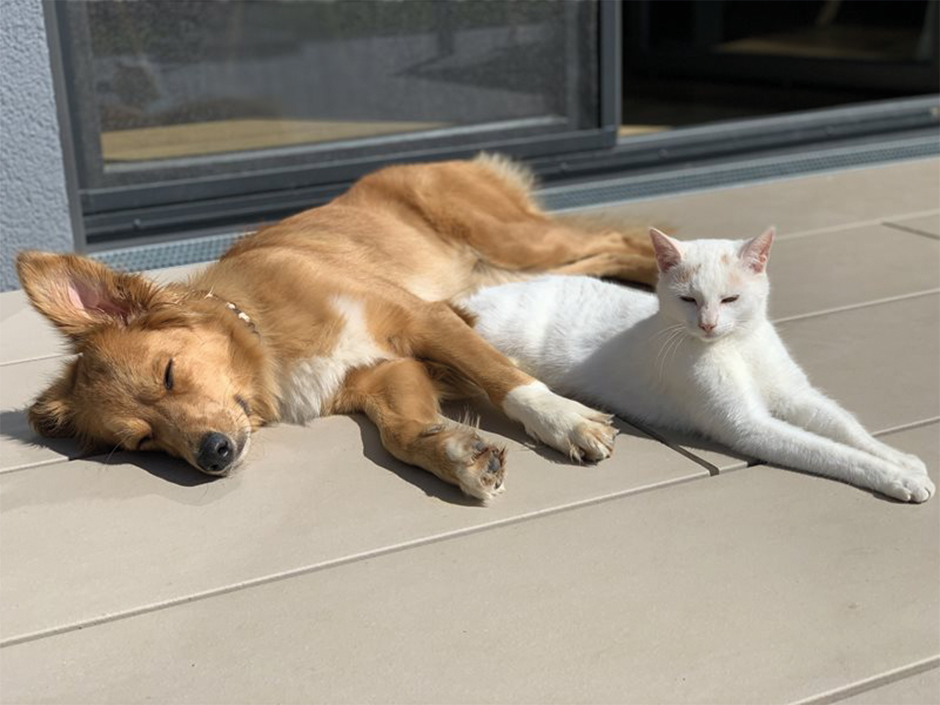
<point x="439" y="334"/>
<point x="543" y="243"/>
<point x="400" y="397"/>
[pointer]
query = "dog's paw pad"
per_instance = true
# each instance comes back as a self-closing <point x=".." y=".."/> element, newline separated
<point x="480" y="467"/>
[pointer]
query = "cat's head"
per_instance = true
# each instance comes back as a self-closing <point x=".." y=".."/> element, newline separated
<point x="713" y="287"/>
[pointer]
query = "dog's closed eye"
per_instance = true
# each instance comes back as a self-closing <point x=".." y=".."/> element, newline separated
<point x="168" y="376"/>
<point x="246" y="407"/>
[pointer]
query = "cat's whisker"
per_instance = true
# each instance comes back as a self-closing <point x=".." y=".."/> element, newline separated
<point x="670" y="354"/>
<point x="663" y="351"/>
<point x="667" y="329"/>
<point x="675" y="350"/>
<point x="660" y="354"/>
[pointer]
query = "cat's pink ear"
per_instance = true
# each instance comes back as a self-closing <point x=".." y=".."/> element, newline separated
<point x="667" y="250"/>
<point x="755" y="252"/>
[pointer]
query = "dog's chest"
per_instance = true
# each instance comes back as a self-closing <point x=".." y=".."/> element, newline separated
<point x="308" y="386"/>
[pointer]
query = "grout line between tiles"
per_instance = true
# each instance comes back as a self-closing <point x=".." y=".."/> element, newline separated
<point x="425" y="541"/>
<point x="713" y="470"/>
<point x="852" y="307"/>
<point x="36" y="358"/>
<point x="345" y="560"/>
<point x="883" y="432"/>
<point x="763" y="181"/>
<point x="913" y="231"/>
<point x="856" y="224"/>
<point x="41" y="463"/>
<point x="906" y="426"/>
<point x="872" y="683"/>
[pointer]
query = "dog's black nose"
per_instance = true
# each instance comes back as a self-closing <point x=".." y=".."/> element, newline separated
<point x="216" y="453"/>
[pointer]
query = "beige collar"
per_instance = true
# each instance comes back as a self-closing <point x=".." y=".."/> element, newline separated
<point x="237" y="311"/>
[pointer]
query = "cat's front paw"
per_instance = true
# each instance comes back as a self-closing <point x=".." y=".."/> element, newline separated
<point x="567" y="426"/>
<point x="909" y="486"/>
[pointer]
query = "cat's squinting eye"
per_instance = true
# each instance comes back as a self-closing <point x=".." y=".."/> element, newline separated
<point x="729" y="299"/>
<point x="690" y="299"/>
<point x="142" y="441"/>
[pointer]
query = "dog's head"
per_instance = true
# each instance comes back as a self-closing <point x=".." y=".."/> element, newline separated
<point x="157" y="368"/>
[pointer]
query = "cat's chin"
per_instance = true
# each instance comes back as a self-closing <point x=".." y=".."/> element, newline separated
<point x="708" y="337"/>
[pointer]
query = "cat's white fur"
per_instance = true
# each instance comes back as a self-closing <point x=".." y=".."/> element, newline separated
<point x="698" y="356"/>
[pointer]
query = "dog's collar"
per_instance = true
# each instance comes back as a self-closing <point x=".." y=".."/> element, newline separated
<point x="244" y="317"/>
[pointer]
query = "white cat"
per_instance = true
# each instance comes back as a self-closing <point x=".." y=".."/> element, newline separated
<point x="700" y="355"/>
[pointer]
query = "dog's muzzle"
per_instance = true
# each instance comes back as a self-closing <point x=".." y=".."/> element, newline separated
<point x="216" y="453"/>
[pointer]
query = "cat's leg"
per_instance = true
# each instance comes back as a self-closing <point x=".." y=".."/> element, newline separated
<point x="814" y="411"/>
<point x="755" y="432"/>
<point x="401" y="399"/>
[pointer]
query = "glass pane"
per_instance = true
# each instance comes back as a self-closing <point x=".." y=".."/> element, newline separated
<point x="688" y="63"/>
<point x="195" y="87"/>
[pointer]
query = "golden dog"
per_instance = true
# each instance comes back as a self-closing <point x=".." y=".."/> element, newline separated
<point x="339" y="309"/>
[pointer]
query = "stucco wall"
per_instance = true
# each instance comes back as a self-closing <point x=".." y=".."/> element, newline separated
<point x="34" y="208"/>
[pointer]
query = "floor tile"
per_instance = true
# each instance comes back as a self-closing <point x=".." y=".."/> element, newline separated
<point x="307" y="496"/>
<point x="880" y="362"/>
<point x="926" y="224"/>
<point x="757" y="586"/>
<point x="793" y="205"/>
<point x="920" y="689"/>
<point x="24" y="334"/>
<point x="849" y="267"/>
<point x="20" y="384"/>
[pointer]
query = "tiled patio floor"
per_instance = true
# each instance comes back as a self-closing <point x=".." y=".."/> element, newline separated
<point x="326" y="571"/>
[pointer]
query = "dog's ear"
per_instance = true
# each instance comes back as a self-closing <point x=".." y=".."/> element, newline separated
<point x="51" y="415"/>
<point x="79" y="294"/>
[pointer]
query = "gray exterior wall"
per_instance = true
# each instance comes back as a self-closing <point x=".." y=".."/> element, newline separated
<point x="34" y="205"/>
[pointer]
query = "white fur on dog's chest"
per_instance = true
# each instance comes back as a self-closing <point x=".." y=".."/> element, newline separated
<point x="310" y="384"/>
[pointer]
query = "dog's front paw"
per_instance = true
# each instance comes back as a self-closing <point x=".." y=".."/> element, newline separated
<point x="908" y="486"/>
<point x="480" y="467"/>
<point x="567" y="426"/>
<point x="592" y="437"/>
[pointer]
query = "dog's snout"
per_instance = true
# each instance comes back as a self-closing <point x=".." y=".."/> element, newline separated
<point x="216" y="453"/>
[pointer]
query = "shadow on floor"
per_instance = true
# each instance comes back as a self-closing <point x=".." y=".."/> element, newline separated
<point x="488" y="420"/>
<point x="425" y="481"/>
<point x="15" y="428"/>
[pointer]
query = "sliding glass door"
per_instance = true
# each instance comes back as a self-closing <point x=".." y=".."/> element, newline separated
<point x="195" y="111"/>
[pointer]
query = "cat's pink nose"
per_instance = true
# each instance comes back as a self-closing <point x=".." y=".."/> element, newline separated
<point x="707" y="327"/>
